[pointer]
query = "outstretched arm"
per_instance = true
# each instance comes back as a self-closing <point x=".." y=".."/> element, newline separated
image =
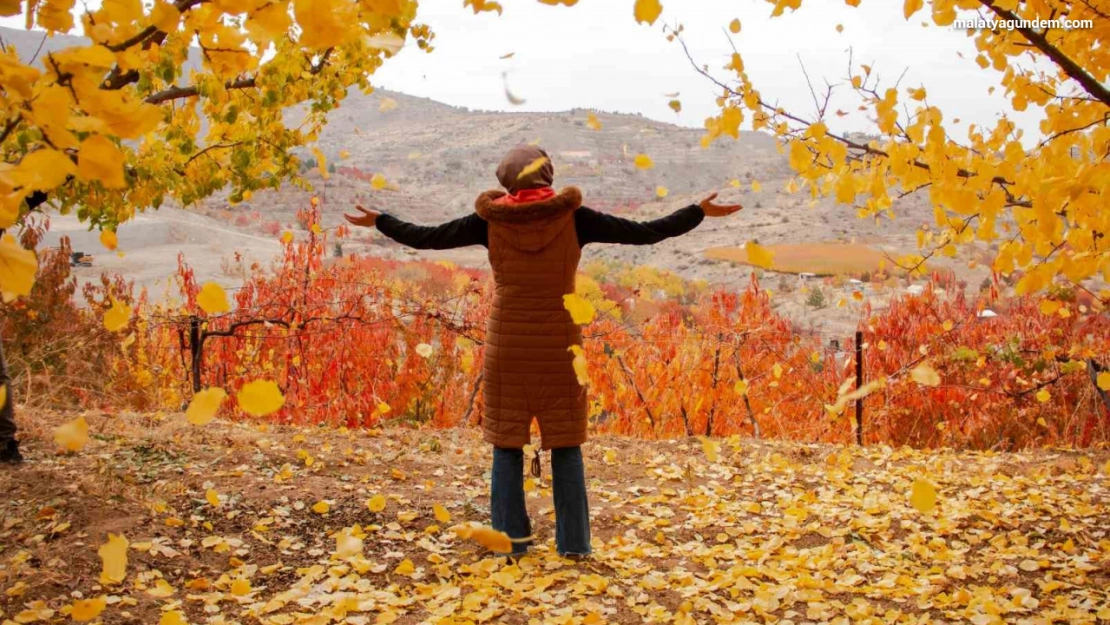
<point x="461" y="232"/>
<point x="595" y="227"/>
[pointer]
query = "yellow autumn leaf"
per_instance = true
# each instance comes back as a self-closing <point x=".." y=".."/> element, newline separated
<point x="532" y="167"/>
<point x="17" y="268"/>
<point x="756" y="187"/>
<point x="759" y="255"/>
<point x="498" y="542"/>
<point x="592" y="121"/>
<point x="377" y="182"/>
<point x="676" y="105"/>
<point x="579" y="364"/>
<point x="1043" y="395"/>
<point x="1048" y="307"/>
<point x="711" y="448"/>
<point x="647" y="11"/>
<point x="387" y="105"/>
<point x="734" y="26"/>
<point x="344" y="154"/>
<point x="108" y="239"/>
<point x="923" y="496"/>
<point x="212" y="497"/>
<point x="204" y="405"/>
<point x="113" y="556"/>
<point x="286" y="237"/>
<point x="161" y="590"/>
<point x="741" y="387"/>
<point x="661" y="191"/>
<point x="424" y="350"/>
<point x="72" y="435"/>
<point x="241" y="587"/>
<point x="643" y="161"/>
<point x="1103" y="381"/>
<point x="117" y="316"/>
<point x="260" y="398"/>
<point x="925" y="375"/>
<point x="172" y="617"/>
<point x="321" y="507"/>
<point x="909" y="7"/>
<point x="840" y="28"/>
<point x="212" y="299"/>
<point x="441" y="513"/>
<point x="100" y="160"/>
<point x="85" y="610"/>
<point x="406" y="567"/>
<point x="376" y="503"/>
<point x="581" y="310"/>
<point x="735" y="183"/>
<point x="347" y="545"/>
<point x="776" y="370"/>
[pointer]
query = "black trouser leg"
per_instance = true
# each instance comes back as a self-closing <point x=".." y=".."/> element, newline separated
<point x="7" y="411"/>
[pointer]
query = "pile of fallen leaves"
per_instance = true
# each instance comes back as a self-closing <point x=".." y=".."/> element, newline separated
<point x="158" y="521"/>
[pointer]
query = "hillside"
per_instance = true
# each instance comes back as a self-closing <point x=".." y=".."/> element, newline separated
<point x="224" y="524"/>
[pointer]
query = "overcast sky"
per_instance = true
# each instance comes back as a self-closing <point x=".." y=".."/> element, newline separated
<point x="595" y="55"/>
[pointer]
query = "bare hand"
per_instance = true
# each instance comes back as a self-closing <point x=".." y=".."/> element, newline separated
<point x="366" y="219"/>
<point x="717" y="210"/>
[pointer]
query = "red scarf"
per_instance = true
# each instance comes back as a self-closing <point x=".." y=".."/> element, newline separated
<point x="525" y="196"/>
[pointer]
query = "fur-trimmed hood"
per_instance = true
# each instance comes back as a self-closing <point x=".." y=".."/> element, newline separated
<point x="533" y="224"/>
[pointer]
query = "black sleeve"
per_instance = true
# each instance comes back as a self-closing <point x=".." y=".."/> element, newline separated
<point x="595" y="227"/>
<point x="461" y="232"/>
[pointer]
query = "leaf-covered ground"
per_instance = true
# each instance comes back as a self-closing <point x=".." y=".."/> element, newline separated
<point x="769" y="533"/>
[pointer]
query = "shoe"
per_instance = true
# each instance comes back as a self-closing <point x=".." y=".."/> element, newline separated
<point x="10" y="453"/>
<point x="576" y="557"/>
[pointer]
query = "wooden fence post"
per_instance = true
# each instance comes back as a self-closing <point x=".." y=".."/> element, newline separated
<point x="859" y="384"/>
<point x="196" y="351"/>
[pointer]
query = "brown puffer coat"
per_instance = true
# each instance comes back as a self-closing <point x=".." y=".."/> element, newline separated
<point x="534" y="252"/>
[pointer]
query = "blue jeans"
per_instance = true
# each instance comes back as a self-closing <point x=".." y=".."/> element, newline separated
<point x="572" y="510"/>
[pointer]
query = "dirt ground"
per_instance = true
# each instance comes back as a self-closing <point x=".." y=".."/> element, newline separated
<point x="769" y="532"/>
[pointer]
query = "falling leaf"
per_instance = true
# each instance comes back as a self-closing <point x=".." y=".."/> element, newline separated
<point x="579" y="365"/>
<point x="923" y="496"/>
<point x="734" y="26"/>
<point x="581" y="310"/>
<point x="925" y="375"/>
<point x="205" y="405"/>
<point x="387" y="105"/>
<point x="72" y="435"/>
<point x="424" y="350"/>
<point x="117" y="316"/>
<point x="260" y="398"/>
<point x="507" y="56"/>
<point x="113" y="555"/>
<point x="675" y="105"/>
<point x="1103" y="381"/>
<point x="85" y="610"/>
<point x="376" y="503"/>
<point x="1043" y="395"/>
<point x="661" y="191"/>
<point x="711" y="448"/>
<point x="509" y="94"/>
<point x="741" y="387"/>
<point x="212" y="497"/>
<point x="212" y="299"/>
<point x="532" y="167"/>
<point x="347" y="545"/>
<point x="321" y="507"/>
<point x="592" y="121"/>
<point x="441" y="513"/>
<point x="671" y="95"/>
<point x="756" y="186"/>
<point x="321" y="163"/>
<point x="759" y="255"/>
<point x="498" y="542"/>
<point x="344" y="154"/>
<point x="377" y="182"/>
<point x="647" y="11"/>
<point x="643" y="161"/>
<point x="108" y="239"/>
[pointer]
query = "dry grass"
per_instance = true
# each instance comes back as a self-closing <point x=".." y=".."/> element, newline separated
<point x="823" y="259"/>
